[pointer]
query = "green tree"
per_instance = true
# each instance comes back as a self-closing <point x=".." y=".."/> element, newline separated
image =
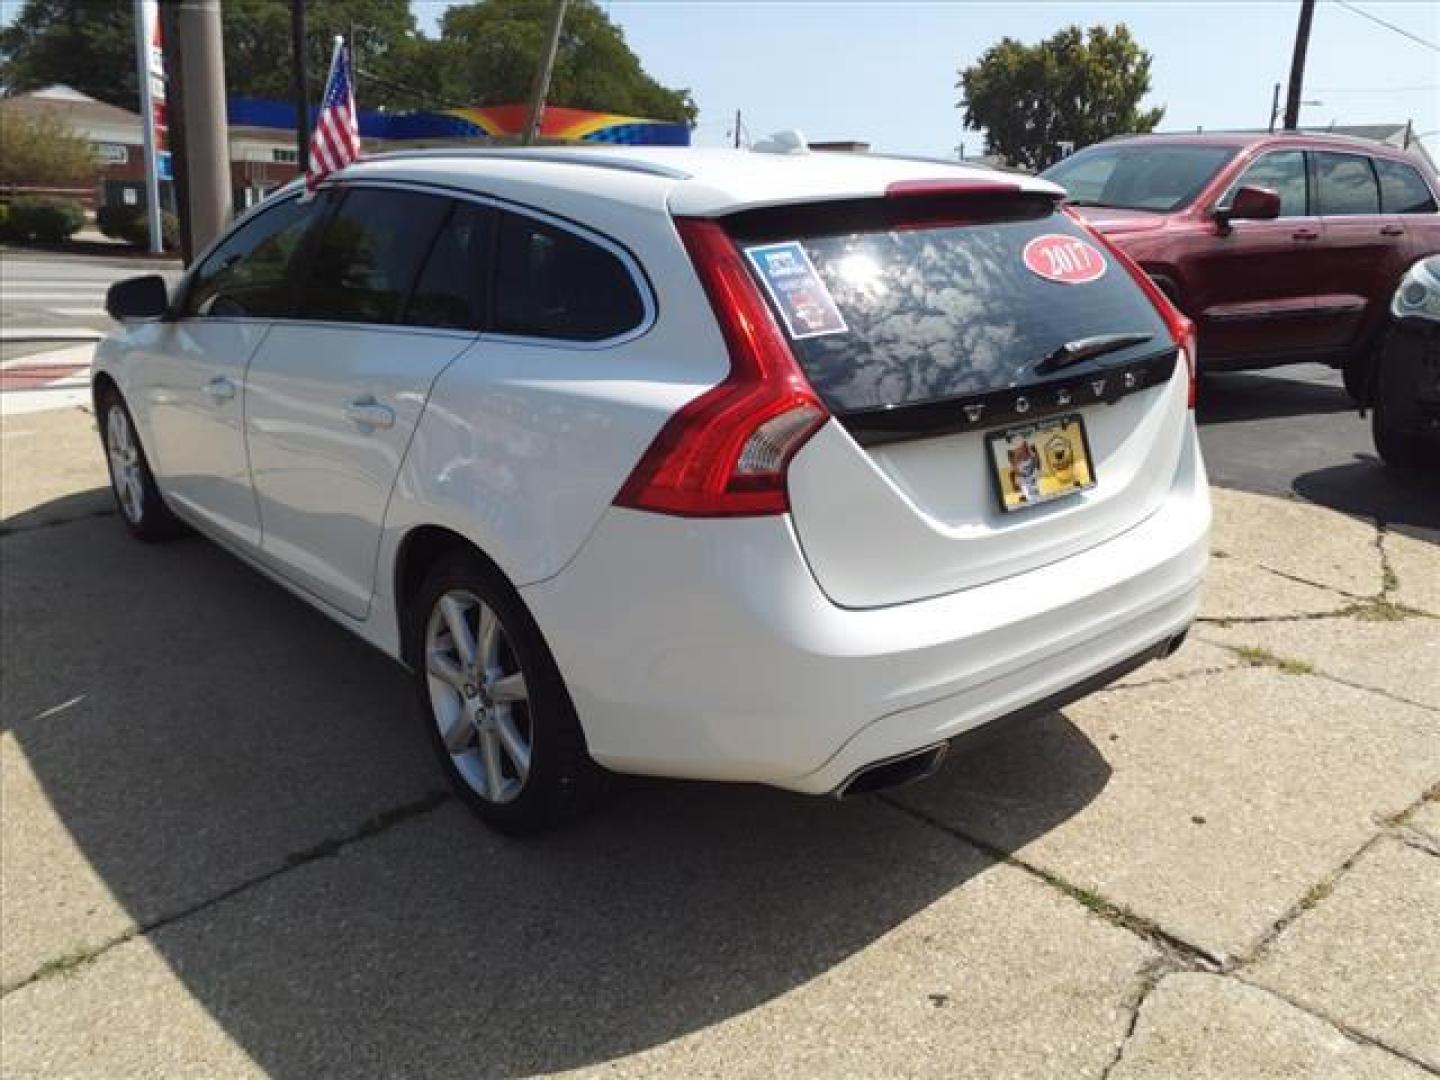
<point x="1077" y="86"/>
<point x="489" y="52"/>
<point x="387" y="50"/>
<point x="87" y="44"/>
<point x="44" y="151"/>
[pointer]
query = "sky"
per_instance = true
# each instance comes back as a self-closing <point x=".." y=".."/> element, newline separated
<point x="885" y="72"/>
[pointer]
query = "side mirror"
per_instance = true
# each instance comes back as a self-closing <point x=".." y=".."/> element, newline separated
<point x="1250" y="204"/>
<point x="138" y="298"/>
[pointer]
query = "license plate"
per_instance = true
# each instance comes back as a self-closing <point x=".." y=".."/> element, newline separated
<point x="1042" y="461"/>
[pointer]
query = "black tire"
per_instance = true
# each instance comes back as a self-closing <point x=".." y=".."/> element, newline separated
<point x="1397" y="447"/>
<point x="147" y="518"/>
<point x="562" y="781"/>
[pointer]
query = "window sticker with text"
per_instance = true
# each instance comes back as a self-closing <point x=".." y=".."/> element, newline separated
<point x="795" y="286"/>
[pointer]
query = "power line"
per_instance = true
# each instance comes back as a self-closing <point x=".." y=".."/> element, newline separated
<point x="1388" y="25"/>
<point x="1373" y="89"/>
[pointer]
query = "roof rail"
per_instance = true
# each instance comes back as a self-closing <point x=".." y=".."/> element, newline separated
<point x="594" y="159"/>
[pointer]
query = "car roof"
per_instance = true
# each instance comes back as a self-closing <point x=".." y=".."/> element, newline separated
<point x="695" y="181"/>
<point x="1256" y="138"/>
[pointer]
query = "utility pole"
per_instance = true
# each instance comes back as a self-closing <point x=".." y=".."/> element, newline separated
<point x="1297" y="65"/>
<point x="1274" y="108"/>
<point x="299" y="85"/>
<point x="542" y="74"/>
<point x="207" y="132"/>
<point x="737" y="129"/>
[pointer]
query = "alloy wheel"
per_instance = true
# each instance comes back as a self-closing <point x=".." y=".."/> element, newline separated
<point x="125" y="467"/>
<point x="478" y="696"/>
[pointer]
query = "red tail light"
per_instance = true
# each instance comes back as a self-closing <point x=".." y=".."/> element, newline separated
<point x="1182" y="330"/>
<point x="725" y="453"/>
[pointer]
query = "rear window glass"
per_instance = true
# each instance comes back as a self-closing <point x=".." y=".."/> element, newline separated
<point x="949" y="310"/>
<point x="1150" y="176"/>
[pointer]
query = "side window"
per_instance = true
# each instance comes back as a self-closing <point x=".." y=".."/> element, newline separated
<point x="1282" y="172"/>
<point x="451" y="291"/>
<point x="1402" y="189"/>
<point x="245" y="276"/>
<point x="1346" y="184"/>
<point x="366" y="257"/>
<point x="551" y="283"/>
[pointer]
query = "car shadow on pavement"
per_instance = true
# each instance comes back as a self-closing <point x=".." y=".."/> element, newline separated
<point x="250" y="784"/>
<point x="1227" y="397"/>
<point x="1368" y="488"/>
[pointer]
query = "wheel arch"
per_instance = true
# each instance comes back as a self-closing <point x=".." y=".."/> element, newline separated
<point x="417" y="552"/>
<point x="103" y="383"/>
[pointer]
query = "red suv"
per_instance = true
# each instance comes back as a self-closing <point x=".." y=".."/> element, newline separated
<point x="1281" y="248"/>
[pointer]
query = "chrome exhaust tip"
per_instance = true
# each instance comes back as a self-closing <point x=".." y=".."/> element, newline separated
<point x="893" y="772"/>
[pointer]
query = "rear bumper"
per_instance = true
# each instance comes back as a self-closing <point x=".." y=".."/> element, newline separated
<point x="705" y="649"/>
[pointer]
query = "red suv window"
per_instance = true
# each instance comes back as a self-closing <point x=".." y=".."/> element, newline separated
<point x="1345" y="184"/>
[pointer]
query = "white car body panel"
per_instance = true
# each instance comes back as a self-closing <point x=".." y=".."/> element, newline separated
<point x="191" y="404"/>
<point x="930" y="505"/>
<point x="778" y="649"/>
<point x="731" y="664"/>
<point x="322" y="477"/>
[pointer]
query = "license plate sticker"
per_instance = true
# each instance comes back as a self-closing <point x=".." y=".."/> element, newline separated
<point x="1040" y="462"/>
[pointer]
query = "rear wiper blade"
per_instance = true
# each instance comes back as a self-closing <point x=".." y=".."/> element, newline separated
<point x="1072" y="352"/>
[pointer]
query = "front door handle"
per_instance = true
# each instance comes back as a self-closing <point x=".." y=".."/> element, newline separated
<point x="219" y="389"/>
<point x="1392" y="230"/>
<point x="1305" y="234"/>
<point x="368" y="414"/>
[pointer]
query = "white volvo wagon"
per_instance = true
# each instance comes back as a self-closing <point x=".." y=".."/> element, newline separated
<point x="785" y="468"/>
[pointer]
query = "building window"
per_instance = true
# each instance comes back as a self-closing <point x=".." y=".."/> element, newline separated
<point x="285" y="157"/>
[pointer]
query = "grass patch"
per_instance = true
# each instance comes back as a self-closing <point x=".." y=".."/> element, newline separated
<point x="1382" y="610"/>
<point x="1257" y="657"/>
<point x="63" y="964"/>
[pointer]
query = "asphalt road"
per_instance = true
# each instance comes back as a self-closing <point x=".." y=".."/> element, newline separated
<point x="60" y="292"/>
<point x="1293" y="431"/>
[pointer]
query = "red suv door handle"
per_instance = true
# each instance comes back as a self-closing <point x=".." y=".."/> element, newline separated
<point x="1306" y="234"/>
<point x="1392" y="230"/>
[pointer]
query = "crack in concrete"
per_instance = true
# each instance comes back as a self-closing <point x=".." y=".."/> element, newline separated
<point x="1180" y="953"/>
<point x="1252" y="658"/>
<point x="370" y="827"/>
<point x="1354" y="1034"/>
<point x="1151" y="975"/>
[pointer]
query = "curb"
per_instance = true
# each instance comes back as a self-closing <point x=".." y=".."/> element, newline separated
<point x="9" y="335"/>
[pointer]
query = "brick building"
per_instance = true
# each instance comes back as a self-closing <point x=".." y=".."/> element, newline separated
<point x="261" y="159"/>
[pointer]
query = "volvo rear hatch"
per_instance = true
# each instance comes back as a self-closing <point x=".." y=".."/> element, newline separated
<point x="1004" y="390"/>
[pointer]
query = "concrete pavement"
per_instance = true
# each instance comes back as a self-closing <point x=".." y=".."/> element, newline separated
<point x="224" y="850"/>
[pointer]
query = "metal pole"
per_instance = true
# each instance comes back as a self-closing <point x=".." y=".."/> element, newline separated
<point x="1297" y="65"/>
<point x="300" y="85"/>
<point x="737" y="129"/>
<point x="542" y="74"/>
<point x="1274" y="107"/>
<point x="207" y="131"/>
<point x="143" y="33"/>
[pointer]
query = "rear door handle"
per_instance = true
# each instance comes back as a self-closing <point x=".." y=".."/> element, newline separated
<point x="219" y="389"/>
<point x="1305" y="234"/>
<point x="1392" y="230"/>
<point x="368" y="414"/>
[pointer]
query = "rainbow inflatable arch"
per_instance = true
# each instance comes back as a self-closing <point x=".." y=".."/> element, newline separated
<point x="488" y="123"/>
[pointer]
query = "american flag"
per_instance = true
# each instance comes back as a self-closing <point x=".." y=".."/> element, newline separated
<point x="336" y="139"/>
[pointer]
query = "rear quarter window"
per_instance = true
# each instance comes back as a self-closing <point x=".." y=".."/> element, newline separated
<point x="553" y="283"/>
<point x="1402" y="189"/>
<point x="945" y="310"/>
